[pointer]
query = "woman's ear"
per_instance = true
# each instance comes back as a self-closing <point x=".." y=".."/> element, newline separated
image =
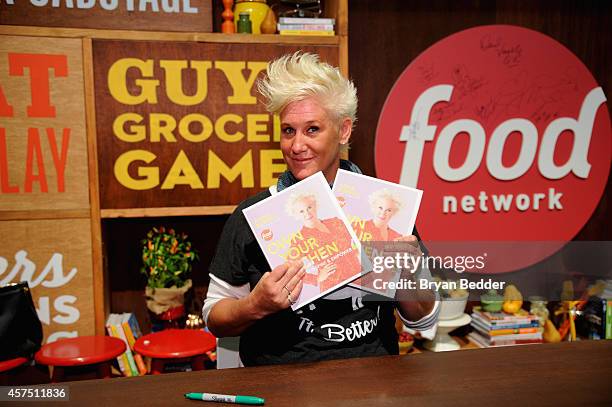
<point x="345" y="130"/>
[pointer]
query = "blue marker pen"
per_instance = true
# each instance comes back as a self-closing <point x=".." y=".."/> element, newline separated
<point x="224" y="398"/>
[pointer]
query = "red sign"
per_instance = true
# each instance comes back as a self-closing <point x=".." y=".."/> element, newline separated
<point x="505" y="130"/>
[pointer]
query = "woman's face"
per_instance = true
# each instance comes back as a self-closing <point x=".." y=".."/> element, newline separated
<point x="384" y="209"/>
<point x="306" y="209"/>
<point x="310" y="141"/>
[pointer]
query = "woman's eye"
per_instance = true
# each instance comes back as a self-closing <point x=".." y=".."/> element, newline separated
<point x="313" y="129"/>
<point x="288" y="131"/>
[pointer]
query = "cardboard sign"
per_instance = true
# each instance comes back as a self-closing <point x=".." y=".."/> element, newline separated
<point x="43" y="145"/>
<point x="147" y="15"/>
<point x="54" y="257"/>
<point x="179" y="124"/>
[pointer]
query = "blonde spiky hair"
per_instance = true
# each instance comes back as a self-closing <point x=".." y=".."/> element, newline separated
<point x="297" y="76"/>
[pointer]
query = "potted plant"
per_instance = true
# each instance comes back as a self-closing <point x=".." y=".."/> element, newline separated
<point x="167" y="259"/>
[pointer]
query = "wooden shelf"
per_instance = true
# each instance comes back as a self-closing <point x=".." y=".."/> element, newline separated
<point x="162" y="212"/>
<point x="168" y="36"/>
<point x="46" y="214"/>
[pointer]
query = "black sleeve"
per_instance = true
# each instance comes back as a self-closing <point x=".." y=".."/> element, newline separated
<point x="238" y="259"/>
<point x="415" y="232"/>
<point x="229" y="262"/>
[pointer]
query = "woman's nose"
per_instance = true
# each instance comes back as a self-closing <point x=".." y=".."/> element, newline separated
<point x="299" y="143"/>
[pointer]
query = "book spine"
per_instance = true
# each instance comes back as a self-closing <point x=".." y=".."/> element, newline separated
<point x="310" y="27"/>
<point x="507" y="320"/>
<point x="483" y="342"/>
<point x="307" y="32"/>
<point x="514" y="337"/>
<point x="119" y="358"/>
<point x="516" y="342"/>
<point x="133" y="322"/>
<point x="498" y="332"/>
<point x="304" y="20"/>
<point x="480" y="329"/>
<point x="485" y="324"/>
<point x="128" y="351"/>
<point x="608" y="319"/>
<point x="537" y="334"/>
<point x="140" y="364"/>
<point x="124" y="364"/>
<point x="478" y="340"/>
<point x="138" y="361"/>
<point x="128" y="334"/>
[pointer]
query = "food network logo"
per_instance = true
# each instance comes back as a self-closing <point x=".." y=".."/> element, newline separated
<point x="418" y="132"/>
<point x="505" y="130"/>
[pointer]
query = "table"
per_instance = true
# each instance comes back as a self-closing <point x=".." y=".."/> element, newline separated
<point x="545" y="375"/>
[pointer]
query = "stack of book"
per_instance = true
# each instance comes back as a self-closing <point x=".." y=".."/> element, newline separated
<point x="493" y="329"/>
<point x="305" y="26"/>
<point x="125" y="327"/>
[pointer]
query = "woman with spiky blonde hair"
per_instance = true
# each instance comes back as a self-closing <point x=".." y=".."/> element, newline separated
<point x="317" y="108"/>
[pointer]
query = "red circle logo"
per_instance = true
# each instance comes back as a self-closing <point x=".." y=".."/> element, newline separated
<point x="267" y="234"/>
<point x="505" y="130"/>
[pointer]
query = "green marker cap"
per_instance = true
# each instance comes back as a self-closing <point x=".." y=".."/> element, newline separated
<point x="254" y="401"/>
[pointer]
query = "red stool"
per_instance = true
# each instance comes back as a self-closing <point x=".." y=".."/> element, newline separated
<point x="8" y="365"/>
<point x="172" y="318"/>
<point x="80" y="351"/>
<point x="175" y="345"/>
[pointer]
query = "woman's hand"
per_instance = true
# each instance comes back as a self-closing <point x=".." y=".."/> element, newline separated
<point x="413" y="303"/>
<point x="277" y="289"/>
<point x="409" y="239"/>
<point x="325" y="272"/>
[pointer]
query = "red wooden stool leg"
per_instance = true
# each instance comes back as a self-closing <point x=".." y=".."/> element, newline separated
<point x="104" y="370"/>
<point x="197" y="362"/>
<point x="157" y="366"/>
<point x="58" y="374"/>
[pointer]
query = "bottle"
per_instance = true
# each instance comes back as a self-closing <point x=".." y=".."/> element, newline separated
<point x="243" y="25"/>
<point x="538" y="308"/>
<point x="257" y="10"/>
